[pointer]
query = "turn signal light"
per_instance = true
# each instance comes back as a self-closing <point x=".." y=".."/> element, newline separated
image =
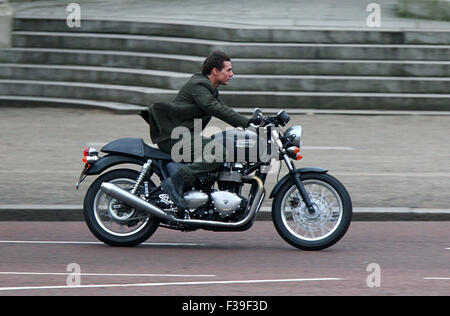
<point x="293" y="152"/>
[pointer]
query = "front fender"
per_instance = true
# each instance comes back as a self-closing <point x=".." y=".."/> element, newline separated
<point x="109" y="161"/>
<point x="283" y="180"/>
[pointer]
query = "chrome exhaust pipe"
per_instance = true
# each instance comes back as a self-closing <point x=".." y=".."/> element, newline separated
<point x="133" y="200"/>
<point x="138" y="203"/>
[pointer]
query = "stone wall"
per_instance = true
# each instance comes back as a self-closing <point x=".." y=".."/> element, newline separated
<point x="6" y="16"/>
<point x="427" y="9"/>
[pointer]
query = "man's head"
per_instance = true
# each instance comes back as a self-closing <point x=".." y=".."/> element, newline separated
<point x="217" y="67"/>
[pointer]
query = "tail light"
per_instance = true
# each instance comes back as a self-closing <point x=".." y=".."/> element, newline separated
<point x="90" y="155"/>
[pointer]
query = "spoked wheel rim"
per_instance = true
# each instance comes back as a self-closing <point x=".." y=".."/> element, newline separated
<point x="317" y="225"/>
<point x="115" y="217"/>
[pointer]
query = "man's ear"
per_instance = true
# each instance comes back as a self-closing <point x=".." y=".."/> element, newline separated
<point x="215" y="71"/>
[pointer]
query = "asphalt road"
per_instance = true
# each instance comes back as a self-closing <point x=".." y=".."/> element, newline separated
<point x="374" y="258"/>
<point x="384" y="161"/>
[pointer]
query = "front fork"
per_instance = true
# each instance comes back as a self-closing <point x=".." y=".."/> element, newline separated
<point x="293" y="173"/>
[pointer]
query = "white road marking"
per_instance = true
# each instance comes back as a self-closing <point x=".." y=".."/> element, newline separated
<point x="47" y="287"/>
<point x="107" y="274"/>
<point x="303" y="147"/>
<point x="395" y="174"/>
<point x="436" y="278"/>
<point x="328" y="148"/>
<point x="76" y="173"/>
<point x="53" y="242"/>
<point x="96" y="144"/>
<point x="43" y="171"/>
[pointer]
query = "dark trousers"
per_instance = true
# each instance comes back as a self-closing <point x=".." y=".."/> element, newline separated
<point x="202" y="156"/>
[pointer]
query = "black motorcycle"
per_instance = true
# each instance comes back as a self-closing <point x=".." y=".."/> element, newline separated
<point x="311" y="209"/>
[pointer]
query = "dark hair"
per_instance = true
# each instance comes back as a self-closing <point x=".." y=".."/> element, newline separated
<point x="214" y="60"/>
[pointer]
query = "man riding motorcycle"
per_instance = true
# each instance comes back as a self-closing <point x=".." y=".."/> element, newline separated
<point x="311" y="209"/>
<point x="197" y="99"/>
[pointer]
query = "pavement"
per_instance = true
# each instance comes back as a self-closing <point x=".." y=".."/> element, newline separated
<point x="394" y="166"/>
<point x="285" y="13"/>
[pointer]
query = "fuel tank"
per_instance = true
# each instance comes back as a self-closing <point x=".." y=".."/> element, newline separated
<point x="244" y="145"/>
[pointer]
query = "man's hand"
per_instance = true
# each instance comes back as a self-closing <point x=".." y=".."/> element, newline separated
<point x="270" y="120"/>
<point x="256" y="121"/>
<point x="257" y="118"/>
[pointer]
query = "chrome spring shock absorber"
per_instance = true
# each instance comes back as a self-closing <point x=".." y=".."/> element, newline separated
<point x="141" y="177"/>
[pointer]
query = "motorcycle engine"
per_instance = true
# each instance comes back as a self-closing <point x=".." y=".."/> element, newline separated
<point x="226" y="203"/>
<point x="223" y="203"/>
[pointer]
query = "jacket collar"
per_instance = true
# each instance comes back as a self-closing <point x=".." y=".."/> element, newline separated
<point x="208" y="82"/>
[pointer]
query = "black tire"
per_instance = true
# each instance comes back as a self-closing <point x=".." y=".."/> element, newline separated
<point x="92" y="219"/>
<point x="311" y="243"/>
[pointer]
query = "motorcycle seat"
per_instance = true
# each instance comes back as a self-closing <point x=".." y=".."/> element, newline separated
<point x="135" y="147"/>
<point x="155" y="153"/>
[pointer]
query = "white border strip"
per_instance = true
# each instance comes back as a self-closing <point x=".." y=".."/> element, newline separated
<point x="53" y="242"/>
<point x="381" y="210"/>
<point x="107" y="274"/>
<point x="389" y="209"/>
<point x="52" y="287"/>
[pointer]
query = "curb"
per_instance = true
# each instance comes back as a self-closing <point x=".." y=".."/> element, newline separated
<point x="293" y="111"/>
<point x="63" y="213"/>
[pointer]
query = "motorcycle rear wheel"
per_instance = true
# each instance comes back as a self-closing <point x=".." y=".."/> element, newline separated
<point x="113" y="222"/>
<point x="320" y="229"/>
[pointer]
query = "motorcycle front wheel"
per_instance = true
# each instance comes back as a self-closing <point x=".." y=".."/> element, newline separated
<point x="312" y="230"/>
<point x="112" y="221"/>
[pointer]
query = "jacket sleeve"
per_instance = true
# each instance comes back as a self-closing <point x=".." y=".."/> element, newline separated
<point x="211" y="105"/>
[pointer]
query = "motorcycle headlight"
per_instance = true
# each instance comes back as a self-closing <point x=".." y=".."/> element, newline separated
<point x="297" y="132"/>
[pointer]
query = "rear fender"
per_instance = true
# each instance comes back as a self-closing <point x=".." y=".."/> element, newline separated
<point x="109" y="161"/>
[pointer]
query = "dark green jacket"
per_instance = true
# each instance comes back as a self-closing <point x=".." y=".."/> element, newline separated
<point x="197" y="99"/>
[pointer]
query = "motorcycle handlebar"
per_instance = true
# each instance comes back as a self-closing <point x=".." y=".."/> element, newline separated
<point x="258" y="119"/>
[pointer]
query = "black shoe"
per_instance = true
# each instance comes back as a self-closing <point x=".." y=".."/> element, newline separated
<point x="175" y="190"/>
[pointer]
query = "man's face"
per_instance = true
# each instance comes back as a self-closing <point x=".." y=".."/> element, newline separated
<point x="223" y="76"/>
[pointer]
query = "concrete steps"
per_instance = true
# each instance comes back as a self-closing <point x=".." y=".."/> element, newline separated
<point x="25" y="101"/>
<point x="87" y="91"/>
<point x="241" y="33"/>
<point x="143" y="96"/>
<point x="191" y="64"/>
<point x="201" y="47"/>
<point x="127" y="65"/>
<point x="124" y="59"/>
<point x="175" y="80"/>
